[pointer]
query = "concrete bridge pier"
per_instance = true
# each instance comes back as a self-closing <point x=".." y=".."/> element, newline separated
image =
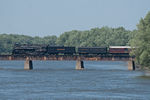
<point x="131" y="65"/>
<point x="28" y="65"/>
<point x="79" y="65"/>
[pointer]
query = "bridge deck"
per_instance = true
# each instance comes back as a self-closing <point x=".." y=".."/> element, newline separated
<point x="68" y="57"/>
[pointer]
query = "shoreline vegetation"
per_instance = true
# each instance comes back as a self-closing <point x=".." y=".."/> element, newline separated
<point x="141" y="42"/>
<point x="94" y="37"/>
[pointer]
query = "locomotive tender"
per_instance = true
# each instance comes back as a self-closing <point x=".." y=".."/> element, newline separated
<point x="60" y="50"/>
<point x="36" y="49"/>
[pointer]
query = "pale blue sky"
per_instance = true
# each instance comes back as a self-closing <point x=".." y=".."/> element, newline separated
<point x="53" y="17"/>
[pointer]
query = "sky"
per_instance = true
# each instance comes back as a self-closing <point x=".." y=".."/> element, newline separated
<point x="54" y="17"/>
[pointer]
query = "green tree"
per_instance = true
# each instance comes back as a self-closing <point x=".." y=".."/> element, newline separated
<point x="141" y="42"/>
<point x="51" y="40"/>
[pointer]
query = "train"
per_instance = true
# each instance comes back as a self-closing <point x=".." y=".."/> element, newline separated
<point x="40" y="49"/>
<point x="36" y="49"/>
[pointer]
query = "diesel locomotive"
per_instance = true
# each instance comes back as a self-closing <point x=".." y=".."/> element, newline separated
<point x="91" y="50"/>
<point x="36" y="49"/>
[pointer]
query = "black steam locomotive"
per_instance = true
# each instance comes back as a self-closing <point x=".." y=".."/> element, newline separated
<point x="36" y="49"/>
<point x="24" y="49"/>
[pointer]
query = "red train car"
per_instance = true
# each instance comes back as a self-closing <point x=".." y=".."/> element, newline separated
<point x="119" y="49"/>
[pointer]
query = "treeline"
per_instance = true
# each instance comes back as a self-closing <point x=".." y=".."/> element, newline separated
<point x="95" y="37"/>
<point x="7" y="41"/>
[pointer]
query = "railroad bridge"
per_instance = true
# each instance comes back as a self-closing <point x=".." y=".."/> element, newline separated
<point x="28" y="65"/>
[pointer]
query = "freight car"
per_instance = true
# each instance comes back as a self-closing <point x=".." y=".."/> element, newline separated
<point x="92" y="50"/>
<point x="119" y="50"/>
<point x="51" y="50"/>
<point x="29" y="49"/>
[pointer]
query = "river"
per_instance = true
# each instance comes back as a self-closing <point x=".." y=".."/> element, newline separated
<point x="58" y="80"/>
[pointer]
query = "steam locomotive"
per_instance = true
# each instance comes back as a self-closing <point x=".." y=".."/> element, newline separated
<point x="36" y="49"/>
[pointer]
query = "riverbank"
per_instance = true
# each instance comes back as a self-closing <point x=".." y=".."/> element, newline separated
<point x="146" y="70"/>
